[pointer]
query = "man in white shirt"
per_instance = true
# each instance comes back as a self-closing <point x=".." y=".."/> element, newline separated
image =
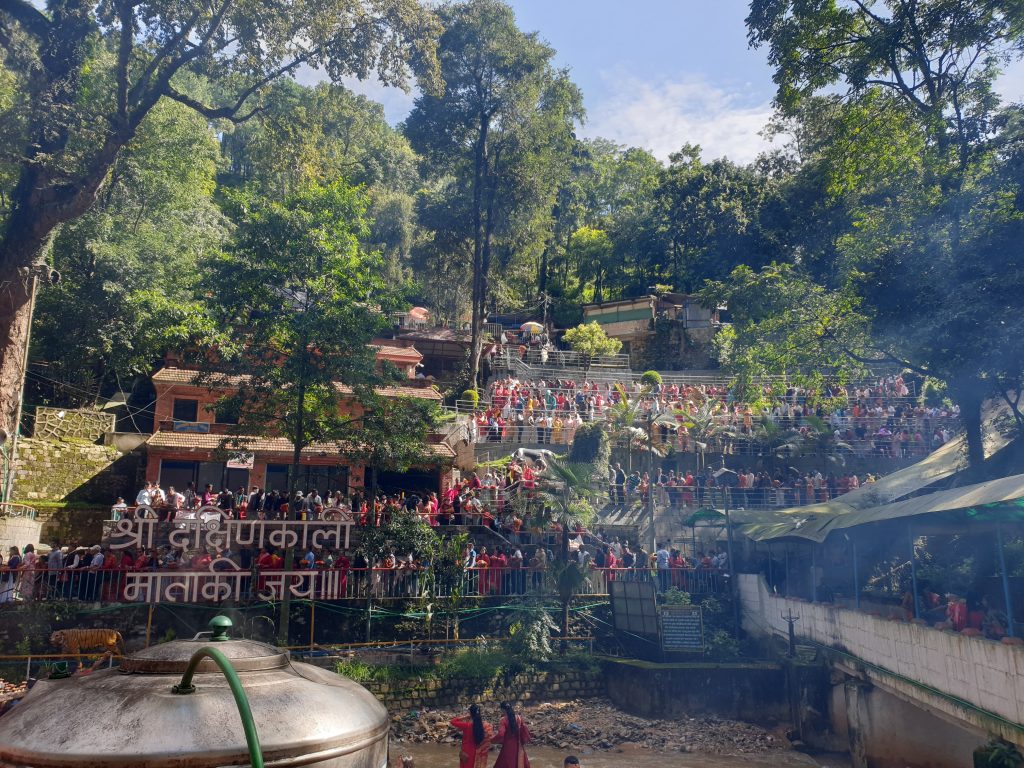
<point x="145" y="497"/>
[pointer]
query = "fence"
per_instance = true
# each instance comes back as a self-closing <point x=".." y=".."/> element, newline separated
<point x="322" y="584"/>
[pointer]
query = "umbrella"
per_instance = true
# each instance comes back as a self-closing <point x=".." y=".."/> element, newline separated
<point x="532" y="327"/>
<point x="419" y="313"/>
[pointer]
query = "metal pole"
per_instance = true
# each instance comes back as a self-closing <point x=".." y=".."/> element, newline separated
<point x="856" y="577"/>
<point x="650" y="479"/>
<point x="913" y="574"/>
<point x="1005" y="580"/>
<point x="312" y="622"/>
<point x="369" y="613"/>
<point x="787" y="570"/>
<point x="733" y="586"/>
<point x="149" y="624"/>
<point x="814" y="573"/>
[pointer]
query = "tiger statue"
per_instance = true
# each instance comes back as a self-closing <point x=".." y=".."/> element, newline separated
<point x="73" y="641"/>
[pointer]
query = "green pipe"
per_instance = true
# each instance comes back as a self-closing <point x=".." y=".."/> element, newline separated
<point x="241" y="700"/>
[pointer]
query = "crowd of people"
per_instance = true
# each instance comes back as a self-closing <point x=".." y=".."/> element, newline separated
<point x="780" y="489"/>
<point x="881" y="418"/>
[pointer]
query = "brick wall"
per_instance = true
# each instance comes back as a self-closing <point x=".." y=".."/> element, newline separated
<point x="405" y="695"/>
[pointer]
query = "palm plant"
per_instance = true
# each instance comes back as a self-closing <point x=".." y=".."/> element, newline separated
<point x="773" y="440"/>
<point x="704" y="426"/>
<point x="819" y="439"/>
<point x="566" y="491"/>
<point x="627" y="421"/>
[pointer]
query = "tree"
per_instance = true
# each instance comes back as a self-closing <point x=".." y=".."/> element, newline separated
<point x="129" y="267"/>
<point x="502" y="130"/>
<point x="566" y="493"/>
<point x="590" y="341"/>
<point x="305" y="302"/>
<point x="920" y="260"/>
<point x="90" y="74"/>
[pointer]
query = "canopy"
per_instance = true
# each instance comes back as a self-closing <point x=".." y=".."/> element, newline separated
<point x="810" y="522"/>
<point x="1000" y="500"/>
<point x="704" y="513"/>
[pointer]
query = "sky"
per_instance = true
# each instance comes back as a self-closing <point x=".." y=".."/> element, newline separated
<point x="658" y="73"/>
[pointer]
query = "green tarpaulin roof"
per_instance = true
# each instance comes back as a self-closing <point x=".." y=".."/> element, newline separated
<point x="812" y="522"/>
<point x="995" y="500"/>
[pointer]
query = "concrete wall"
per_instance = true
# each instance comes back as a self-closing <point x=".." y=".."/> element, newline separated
<point x="753" y="692"/>
<point x="970" y="681"/>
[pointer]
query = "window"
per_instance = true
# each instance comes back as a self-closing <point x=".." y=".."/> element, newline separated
<point x="186" y="410"/>
<point x="225" y="414"/>
<point x="177" y="473"/>
<point x="325" y="479"/>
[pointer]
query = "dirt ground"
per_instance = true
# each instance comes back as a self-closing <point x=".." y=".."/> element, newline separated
<point x="594" y="724"/>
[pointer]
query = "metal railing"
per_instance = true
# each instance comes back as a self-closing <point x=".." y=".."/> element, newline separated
<point x="405" y="582"/>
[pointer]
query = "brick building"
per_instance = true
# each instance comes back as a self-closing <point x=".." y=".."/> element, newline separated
<point x="188" y="434"/>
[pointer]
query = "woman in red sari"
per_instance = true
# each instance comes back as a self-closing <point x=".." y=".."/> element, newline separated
<point x="476" y="739"/>
<point x="514" y="736"/>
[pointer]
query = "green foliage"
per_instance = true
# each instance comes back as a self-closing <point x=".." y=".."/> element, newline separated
<point x="472" y="396"/>
<point x="130" y="267"/>
<point x="590" y="340"/>
<point x="302" y="309"/>
<point x="590" y="445"/>
<point x="480" y="661"/>
<point x="495" y="144"/>
<point x="403" y="532"/>
<point x="998" y="753"/>
<point x="721" y="646"/>
<point x="676" y="596"/>
<point x="530" y="636"/>
<point x="650" y="378"/>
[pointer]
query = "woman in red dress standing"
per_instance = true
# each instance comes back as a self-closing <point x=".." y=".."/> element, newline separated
<point x="514" y="736"/>
<point x="476" y="739"/>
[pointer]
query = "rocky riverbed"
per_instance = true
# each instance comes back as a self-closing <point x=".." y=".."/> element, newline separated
<point x="586" y="725"/>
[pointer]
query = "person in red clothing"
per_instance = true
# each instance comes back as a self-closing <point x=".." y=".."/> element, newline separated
<point x="514" y="736"/>
<point x="476" y="739"/>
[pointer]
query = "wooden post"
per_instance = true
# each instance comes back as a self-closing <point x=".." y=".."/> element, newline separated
<point x="149" y="624"/>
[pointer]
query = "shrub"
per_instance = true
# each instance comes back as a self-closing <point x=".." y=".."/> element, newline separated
<point x="650" y="378"/>
<point x="472" y="395"/>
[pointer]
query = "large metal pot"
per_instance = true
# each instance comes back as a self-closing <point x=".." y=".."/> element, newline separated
<point x="132" y="716"/>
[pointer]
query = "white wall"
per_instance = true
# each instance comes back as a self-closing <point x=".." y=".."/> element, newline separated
<point x="987" y="674"/>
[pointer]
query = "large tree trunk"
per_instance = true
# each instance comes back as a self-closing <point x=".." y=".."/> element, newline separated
<point x="478" y="302"/>
<point x="969" y="397"/>
<point x="15" y="327"/>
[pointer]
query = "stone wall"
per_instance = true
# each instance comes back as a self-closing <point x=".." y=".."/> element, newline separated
<point x="936" y="669"/>
<point x="751" y="692"/>
<point x="72" y="470"/>
<point x="405" y="695"/>
<point x="61" y="423"/>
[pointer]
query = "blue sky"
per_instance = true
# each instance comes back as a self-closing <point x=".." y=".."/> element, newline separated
<point x="658" y="73"/>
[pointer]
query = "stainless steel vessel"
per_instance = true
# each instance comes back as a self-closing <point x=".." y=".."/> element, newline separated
<point x="132" y="716"/>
